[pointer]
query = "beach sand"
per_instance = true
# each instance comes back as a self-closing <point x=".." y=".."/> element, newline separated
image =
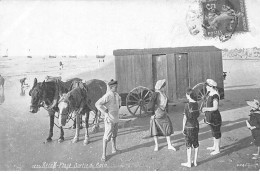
<point x="23" y="134"/>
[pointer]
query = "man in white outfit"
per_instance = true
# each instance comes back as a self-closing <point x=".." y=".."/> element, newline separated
<point x="109" y="105"/>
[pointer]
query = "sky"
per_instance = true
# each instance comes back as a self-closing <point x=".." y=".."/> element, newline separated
<point x="90" y="27"/>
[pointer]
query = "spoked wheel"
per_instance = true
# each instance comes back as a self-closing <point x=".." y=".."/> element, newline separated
<point x="137" y="100"/>
<point x="201" y="91"/>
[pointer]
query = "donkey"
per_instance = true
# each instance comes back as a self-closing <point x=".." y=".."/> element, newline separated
<point x="81" y="100"/>
<point x="47" y="94"/>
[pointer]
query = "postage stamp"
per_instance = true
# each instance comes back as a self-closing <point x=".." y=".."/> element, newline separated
<point x="223" y="18"/>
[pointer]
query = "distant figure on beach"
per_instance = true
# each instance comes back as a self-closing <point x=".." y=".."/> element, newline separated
<point x="22" y="81"/>
<point x="191" y="126"/>
<point x="224" y="75"/>
<point x="2" y="81"/>
<point x="254" y="125"/>
<point x="22" y="91"/>
<point x="61" y="65"/>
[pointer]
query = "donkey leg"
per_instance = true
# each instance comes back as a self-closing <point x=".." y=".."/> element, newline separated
<point x="61" y="139"/>
<point x="76" y="137"/>
<point x="74" y="124"/>
<point x="51" y="114"/>
<point x="98" y="115"/>
<point x="81" y="126"/>
<point x="86" y="140"/>
<point x="95" y="128"/>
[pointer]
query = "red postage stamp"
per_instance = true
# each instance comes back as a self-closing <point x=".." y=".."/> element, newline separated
<point x="223" y="18"/>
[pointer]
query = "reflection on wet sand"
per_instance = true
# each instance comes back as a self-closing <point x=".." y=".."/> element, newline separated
<point x="2" y="96"/>
<point x="22" y="93"/>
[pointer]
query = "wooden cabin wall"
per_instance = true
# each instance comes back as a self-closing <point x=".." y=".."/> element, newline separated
<point x="205" y="65"/>
<point x="182" y="74"/>
<point x="132" y="71"/>
<point x="217" y="56"/>
<point x="137" y="70"/>
<point x="171" y="77"/>
<point x="198" y="64"/>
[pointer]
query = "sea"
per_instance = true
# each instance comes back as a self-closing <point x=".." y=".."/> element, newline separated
<point x="17" y="67"/>
<point x="239" y="72"/>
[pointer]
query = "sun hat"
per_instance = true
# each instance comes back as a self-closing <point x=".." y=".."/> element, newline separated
<point x="211" y="83"/>
<point x="253" y="104"/>
<point x="160" y="84"/>
<point x="112" y="82"/>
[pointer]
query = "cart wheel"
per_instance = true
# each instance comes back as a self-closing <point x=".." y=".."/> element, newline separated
<point x="137" y="100"/>
<point x="201" y="91"/>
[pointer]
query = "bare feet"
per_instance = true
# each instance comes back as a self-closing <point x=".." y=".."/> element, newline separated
<point x="194" y="163"/>
<point x="103" y="158"/>
<point x="171" y="148"/>
<point x="114" y="151"/>
<point x="186" y="164"/>
<point x="256" y="156"/>
<point x="75" y="140"/>
<point x="85" y="142"/>
<point x="215" y="152"/>
<point x="211" y="148"/>
<point x="156" y="148"/>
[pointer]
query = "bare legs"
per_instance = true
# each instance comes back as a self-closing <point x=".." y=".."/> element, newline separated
<point x="256" y="155"/>
<point x="114" y="149"/>
<point x="196" y="156"/>
<point x="103" y="158"/>
<point x="168" y="138"/>
<point x="170" y="147"/>
<point x="188" y="163"/>
<point x="215" y="147"/>
<point x="258" y="151"/>
<point x="156" y="143"/>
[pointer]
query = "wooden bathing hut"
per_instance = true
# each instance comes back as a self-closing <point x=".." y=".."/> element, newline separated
<point x="182" y="67"/>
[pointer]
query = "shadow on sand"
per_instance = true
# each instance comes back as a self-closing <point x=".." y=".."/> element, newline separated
<point x="204" y="133"/>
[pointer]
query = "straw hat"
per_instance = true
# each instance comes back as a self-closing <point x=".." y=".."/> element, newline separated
<point x="160" y="84"/>
<point x="253" y="104"/>
<point x="211" y="83"/>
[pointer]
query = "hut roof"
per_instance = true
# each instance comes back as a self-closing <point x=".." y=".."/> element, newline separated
<point x="169" y="50"/>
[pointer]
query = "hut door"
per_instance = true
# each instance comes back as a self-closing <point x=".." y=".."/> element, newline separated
<point x="159" y="68"/>
<point x="182" y="78"/>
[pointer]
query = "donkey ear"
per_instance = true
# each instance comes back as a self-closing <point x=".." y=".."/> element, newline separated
<point x="71" y="85"/>
<point x="85" y="87"/>
<point x="43" y="83"/>
<point x="35" y="82"/>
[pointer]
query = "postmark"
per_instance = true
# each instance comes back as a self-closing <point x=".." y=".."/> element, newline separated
<point x="218" y="18"/>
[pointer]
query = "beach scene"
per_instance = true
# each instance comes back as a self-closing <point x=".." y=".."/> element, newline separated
<point x="85" y="48"/>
